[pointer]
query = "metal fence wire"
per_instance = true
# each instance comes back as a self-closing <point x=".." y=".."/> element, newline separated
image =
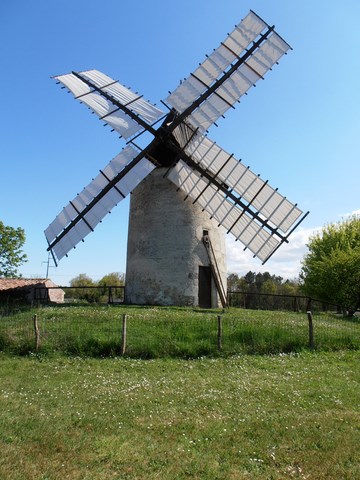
<point x="107" y="294"/>
<point x="157" y="332"/>
<point x="269" y="301"/>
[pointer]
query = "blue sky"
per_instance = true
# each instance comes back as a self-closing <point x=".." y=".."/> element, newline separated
<point x="300" y="128"/>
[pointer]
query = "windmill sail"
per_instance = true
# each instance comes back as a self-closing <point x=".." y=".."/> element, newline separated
<point x="247" y="206"/>
<point x="263" y="199"/>
<point x="119" y="107"/>
<point x="88" y="208"/>
<point x="227" y="74"/>
<point x="227" y="213"/>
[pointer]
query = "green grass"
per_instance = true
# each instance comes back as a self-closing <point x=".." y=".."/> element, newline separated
<point x="285" y="416"/>
<point x="171" y="332"/>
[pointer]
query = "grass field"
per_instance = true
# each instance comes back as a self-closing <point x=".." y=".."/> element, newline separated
<point x="284" y="416"/>
<point x="172" y="332"/>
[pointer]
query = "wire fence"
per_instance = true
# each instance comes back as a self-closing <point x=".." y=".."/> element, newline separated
<point x="160" y="332"/>
<point x="247" y="300"/>
<point x="270" y="301"/>
<point x="109" y="294"/>
<point x="115" y="295"/>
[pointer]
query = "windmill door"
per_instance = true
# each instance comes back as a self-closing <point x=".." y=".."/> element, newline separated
<point x="204" y="287"/>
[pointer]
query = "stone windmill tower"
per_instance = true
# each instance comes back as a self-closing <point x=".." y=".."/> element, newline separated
<point x="176" y="253"/>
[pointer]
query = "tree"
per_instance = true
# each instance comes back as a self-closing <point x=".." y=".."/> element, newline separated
<point x="331" y="268"/>
<point x="251" y="286"/>
<point x="83" y="281"/>
<point x="82" y="287"/>
<point x="115" y="279"/>
<point x="232" y="281"/>
<point x="11" y="254"/>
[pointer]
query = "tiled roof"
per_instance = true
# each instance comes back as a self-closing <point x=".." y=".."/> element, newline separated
<point x="11" y="283"/>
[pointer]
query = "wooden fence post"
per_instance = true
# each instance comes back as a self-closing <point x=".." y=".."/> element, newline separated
<point x="296" y="304"/>
<point x="109" y="295"/>
<point x="219" y="333"/>
<point x="123" y="337"/>
<point x="309" y="303"/>
<point x="311" y="330"/>
<point x="37" y="333"/>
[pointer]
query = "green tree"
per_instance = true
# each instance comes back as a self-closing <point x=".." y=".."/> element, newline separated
<point x="262" y="290"/>
<point x="289" y="287"/>
<point x="232" y="281"/>
<point x="331" y="268"/>
<point x="82" y="280"/>
<point x="81" y="292"/>
<point x="83" y="287"/>
<point x="114" y="279"/>
<point x="11" y="254"/>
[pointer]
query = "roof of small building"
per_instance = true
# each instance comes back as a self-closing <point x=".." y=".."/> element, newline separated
<point x="12" y="283"/>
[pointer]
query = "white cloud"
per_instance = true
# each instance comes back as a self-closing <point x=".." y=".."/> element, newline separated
<point x="354" y="212"/>
<point x="347" y="215"/>
<point x="285" y="262"/>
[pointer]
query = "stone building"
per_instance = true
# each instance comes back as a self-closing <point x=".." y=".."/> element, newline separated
<point x="34" y="289"/>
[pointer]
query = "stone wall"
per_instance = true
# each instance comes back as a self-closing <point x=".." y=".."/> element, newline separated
<point x="165" y="247"/>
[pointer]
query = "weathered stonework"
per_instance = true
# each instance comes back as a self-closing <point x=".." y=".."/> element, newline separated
<point x="165" y="247"/>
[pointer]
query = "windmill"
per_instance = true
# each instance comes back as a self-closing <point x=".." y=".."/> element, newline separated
<point x="176" y="252"/>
